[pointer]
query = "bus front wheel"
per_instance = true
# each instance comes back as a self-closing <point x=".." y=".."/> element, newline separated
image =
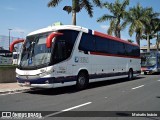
<point x="82" y="81"/>
<point x="145" y="73"/>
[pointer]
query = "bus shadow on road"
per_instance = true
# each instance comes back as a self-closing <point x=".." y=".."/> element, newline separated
<point x="53" y="91"/>
<point x="72" y="89"/>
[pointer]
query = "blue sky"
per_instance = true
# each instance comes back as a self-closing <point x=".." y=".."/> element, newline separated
<point x="25" y="16"/>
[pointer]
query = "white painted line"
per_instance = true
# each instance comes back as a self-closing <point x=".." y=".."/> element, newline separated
<point x="10" y="93"/>
<point x="106" y="97"/>
<point x="68" y="109"/>
<point x="75" y="107"/>
<point x="158" y="80"/>
<point x="137" y="87"/>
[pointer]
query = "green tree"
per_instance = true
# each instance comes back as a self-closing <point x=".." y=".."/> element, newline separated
<point x="157" y="30"/>
<point x="118" y="14"/>
<point x="76" y="7"/>
<point x="131" y="41"/>
<point x="137" y="17"/>
<point x="150" y="27"/>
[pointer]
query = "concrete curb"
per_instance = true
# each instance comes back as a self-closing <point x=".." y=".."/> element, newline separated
<point x="14" y="90"/>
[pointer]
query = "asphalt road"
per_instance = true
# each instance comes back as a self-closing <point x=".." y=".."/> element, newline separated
<point x="118" y="96"/>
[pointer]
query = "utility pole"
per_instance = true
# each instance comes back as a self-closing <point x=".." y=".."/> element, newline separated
<point x="9" y="38"/>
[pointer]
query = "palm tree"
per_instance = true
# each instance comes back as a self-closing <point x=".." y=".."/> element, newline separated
<point x="76" y="7"/>
<point x="129" y="40"/>
<point x="157" y="30"/>
<point x="137" y="17"/>
<point x="118" y="11"/>
<point x="150" y="27"/>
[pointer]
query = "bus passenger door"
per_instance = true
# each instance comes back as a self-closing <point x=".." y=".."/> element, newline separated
<point x="59" y="57"/>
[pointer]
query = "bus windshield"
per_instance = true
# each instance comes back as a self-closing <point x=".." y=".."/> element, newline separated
<point x="35" y="52"/>
<point x="147" y="61"/>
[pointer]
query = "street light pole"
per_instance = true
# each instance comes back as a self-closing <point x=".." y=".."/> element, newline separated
<point x="9" y="38"/>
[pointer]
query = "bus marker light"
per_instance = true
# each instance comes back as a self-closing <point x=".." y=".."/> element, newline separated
<point x="47" y="81"/>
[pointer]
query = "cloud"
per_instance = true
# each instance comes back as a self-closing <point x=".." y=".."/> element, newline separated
<point x="19" y="30"/>
<point x="10" y="8"/>
<point x="104" y="27"/>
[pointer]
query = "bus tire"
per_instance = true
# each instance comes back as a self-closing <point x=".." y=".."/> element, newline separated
<point x="82" y="81"/>
<point x="130" y="74"/>
<point x="145" y="73"/>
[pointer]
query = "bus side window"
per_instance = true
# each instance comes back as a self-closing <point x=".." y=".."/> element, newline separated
<point x="87" y="43"/>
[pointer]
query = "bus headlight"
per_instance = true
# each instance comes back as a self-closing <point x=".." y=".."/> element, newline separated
<point x="17" y="75"/>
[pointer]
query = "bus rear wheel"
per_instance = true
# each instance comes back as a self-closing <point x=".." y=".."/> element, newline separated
<point x="130" y="74"/>
<point x="82" y="81"/>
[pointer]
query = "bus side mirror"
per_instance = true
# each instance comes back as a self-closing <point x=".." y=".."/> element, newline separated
<point x="50" y="37"/>
<point x="15" y="42"/>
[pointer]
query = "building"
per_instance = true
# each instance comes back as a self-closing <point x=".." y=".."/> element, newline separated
<point x="152" y="48"/>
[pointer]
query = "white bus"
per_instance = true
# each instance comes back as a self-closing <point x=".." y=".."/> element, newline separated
<point x="15" y="58"/>
<point x="71" y="55"/>
<point x="150" y="62"/>
<point x="5" y="57"/>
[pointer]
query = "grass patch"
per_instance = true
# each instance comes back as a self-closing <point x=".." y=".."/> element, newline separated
<point x="4" y="67"/>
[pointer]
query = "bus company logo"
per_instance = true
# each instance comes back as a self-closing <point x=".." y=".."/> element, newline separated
<point x="81" y="60"/>
<point x="6" y="115"/>
<point x="26" y="73"/>
<point x="76" y="59"/>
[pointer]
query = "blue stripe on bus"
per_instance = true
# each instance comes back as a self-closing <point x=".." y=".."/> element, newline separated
<point x="89" y="31"/>
<point x="103" y="75"/>
<point x="52" y="80"/>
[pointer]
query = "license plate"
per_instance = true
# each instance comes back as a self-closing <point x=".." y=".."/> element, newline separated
<point x="27" y="83"/>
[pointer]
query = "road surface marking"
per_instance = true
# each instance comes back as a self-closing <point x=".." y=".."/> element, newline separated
<point x="68" y="109"/>
<point x="10" y="93"/>
<point x="77" y="106"/>
<point x="158" y="80"/>
<point x="137" y="87"/>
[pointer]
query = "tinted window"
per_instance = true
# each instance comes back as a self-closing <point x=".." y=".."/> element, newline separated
<point x="87" y="42"/>
<point x="63" y="45"/>
<point x="121" y="49"/>
<point x="109" y="46"/>
<point x="132" y="50"/>
<point x="136" y="51"/>
<point x="105" y="45"/>
<point x="102" y="45"/>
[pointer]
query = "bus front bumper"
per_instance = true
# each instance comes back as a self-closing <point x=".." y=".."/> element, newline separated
<point x="47" y="82"/>
<point x="36" y="85"/>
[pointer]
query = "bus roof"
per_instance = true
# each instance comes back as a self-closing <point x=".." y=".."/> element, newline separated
<point x="78" y="28"/>
<point x="61" y="27"/>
